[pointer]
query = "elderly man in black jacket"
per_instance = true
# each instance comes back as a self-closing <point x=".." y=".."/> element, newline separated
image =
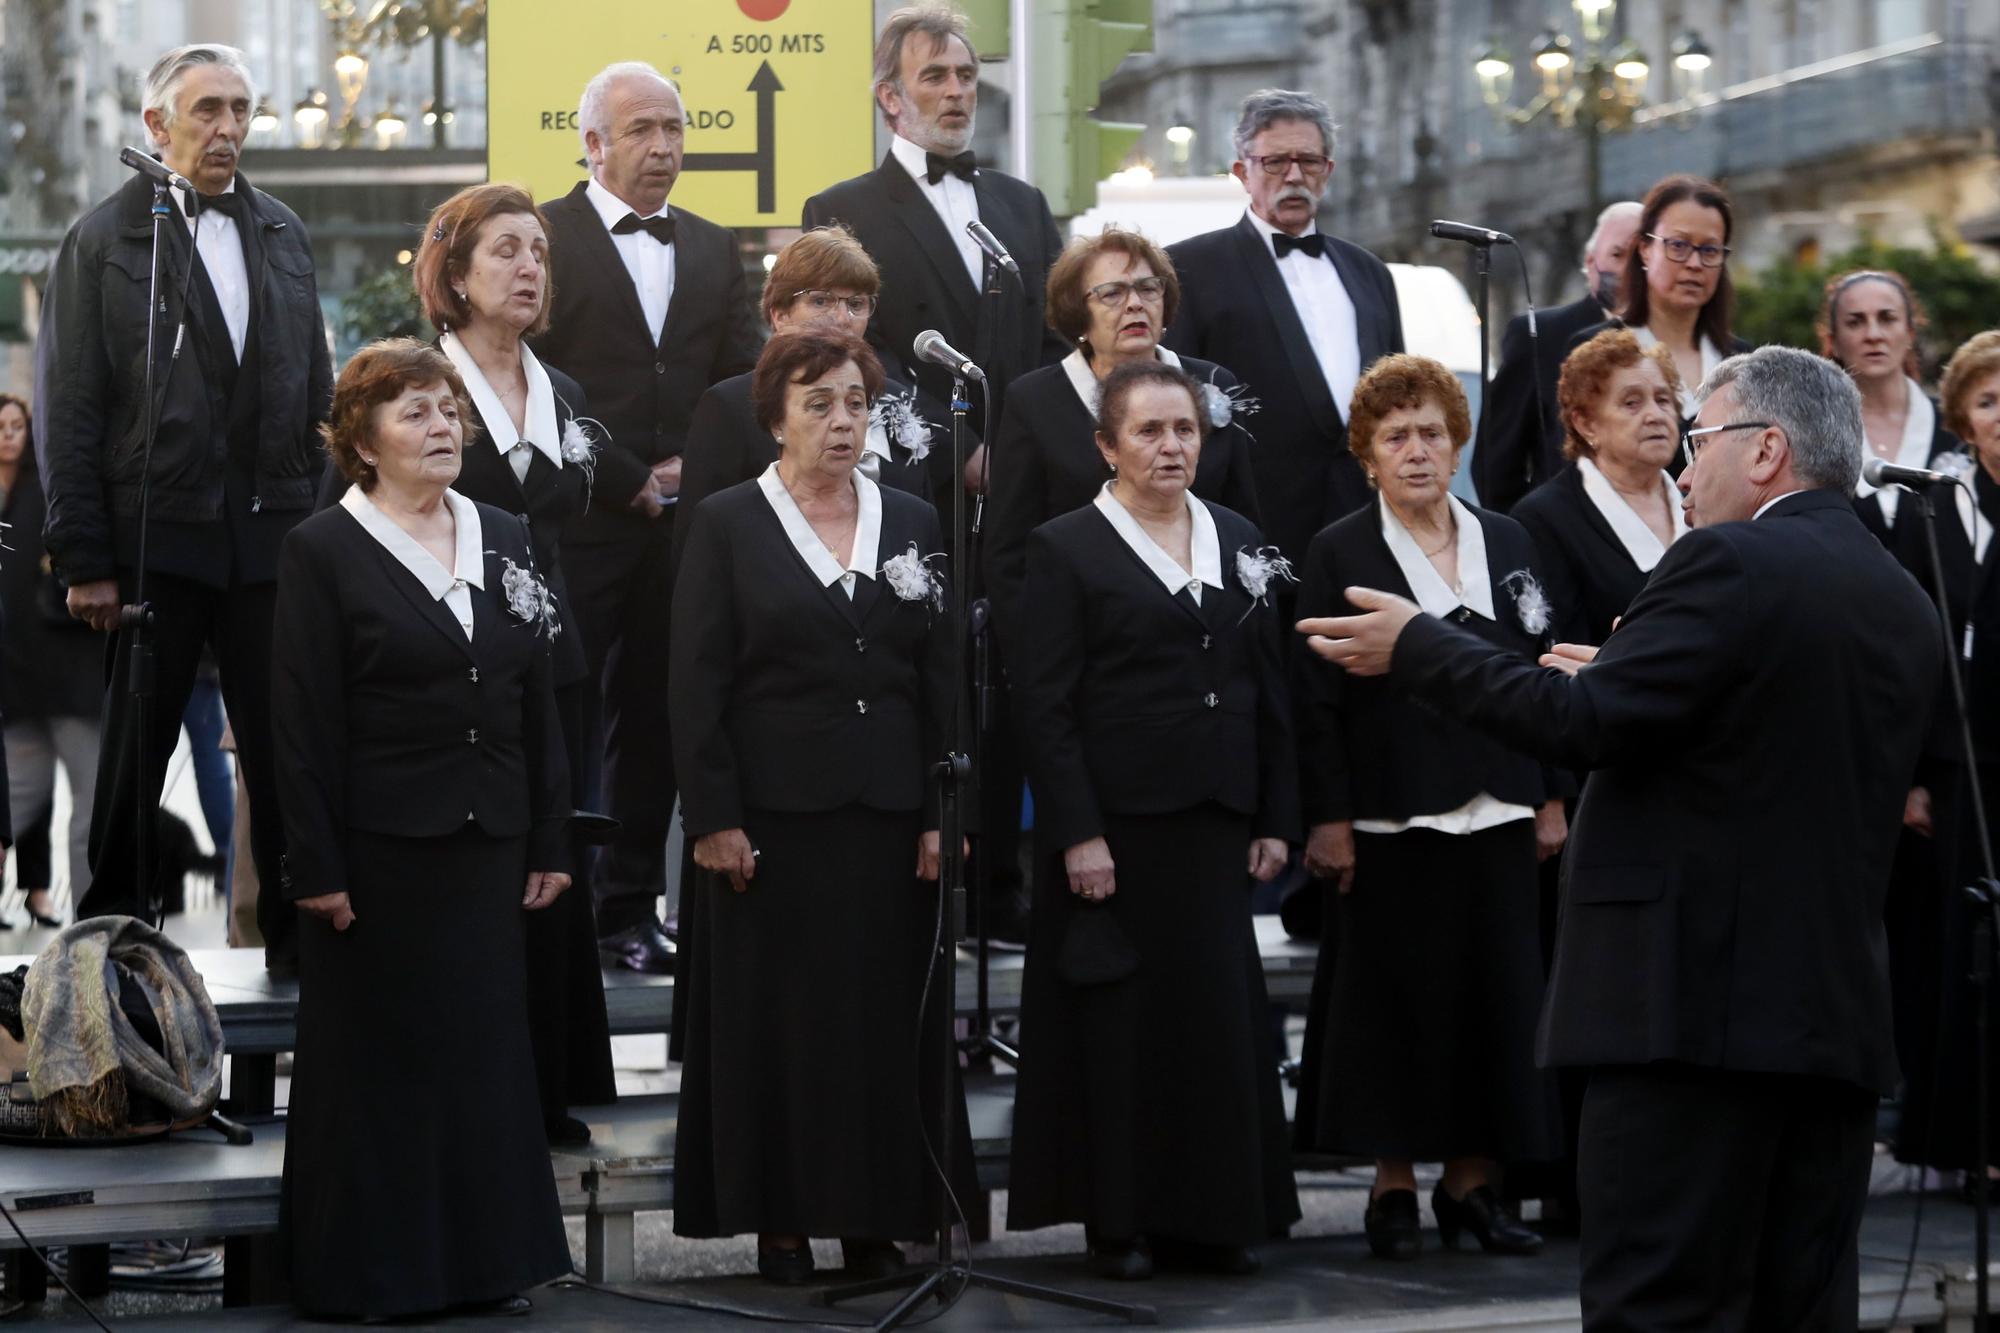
<point x="233" y="465"/>
<point x="1720" y="968"/>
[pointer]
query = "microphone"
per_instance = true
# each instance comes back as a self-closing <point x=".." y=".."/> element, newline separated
<point x="990" y="243"/>
<point x="1471" y="235"/>
<point x="1881" y="472"/>
<point x="155" y="170"/>
<point x="930" y="346"/>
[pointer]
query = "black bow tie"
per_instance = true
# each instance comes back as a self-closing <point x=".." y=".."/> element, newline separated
<point x="964" y="166"/>
<point x="1314" y="244"/>
<point x="660" y="229"/>
<point x="232" y="203"/>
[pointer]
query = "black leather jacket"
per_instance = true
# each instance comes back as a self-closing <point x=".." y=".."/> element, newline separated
<point x="90" y="365"/>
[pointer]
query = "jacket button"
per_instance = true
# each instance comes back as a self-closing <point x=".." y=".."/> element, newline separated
<point x="861" y="645"/>
<point x="472" y="734"/>
<point x="1209" y="699"/>
<point x="659" y="367"/>
<point x="474" y="673"/>
<point x="1206" y="641"/>
<point x="861" y="706"/>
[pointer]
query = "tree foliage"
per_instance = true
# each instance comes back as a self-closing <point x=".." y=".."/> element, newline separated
<point x="384" y="306"/>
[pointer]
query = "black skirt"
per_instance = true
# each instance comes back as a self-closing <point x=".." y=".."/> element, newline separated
<point x="1150" y="1106"/>
<point x="799" y="1107"/>
<point x="1428" y="1012"/>
<point x="417" y="1174"/>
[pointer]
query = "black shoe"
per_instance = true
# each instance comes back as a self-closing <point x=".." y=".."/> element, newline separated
<point x="565" y="1131"/>
<point x="642" y="948"/>
<point x="786" y="1268"/>
<point x="1395" y="1230"/>
<point x="51" y="922"/>
<point x="506" y="1305"/>
<point x="867" y="1260"/>
<point x="1194" y="1256"/>
<point x="282" y="969"/>
<point x="1480" y="1213"/>
<point x="1128" y="1260"/>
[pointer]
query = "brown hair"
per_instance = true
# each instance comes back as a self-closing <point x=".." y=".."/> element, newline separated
<point x="1116" y="393"/>
<point x="940" y="23"/>
<point x="378" y="374"/>
<point x="801" y="358"/>
<point x="1069" y="304"/>
<point x="1977" y="358"/>
<point x="825" y="258"/>
<point x="1587" y="372"/>
<point x="1403" y="380"/>
<point x="16" y="400"/>
<point x="1714" y="321"/>
<point x="1829" y="313"/>
<point x="450" y="237"/>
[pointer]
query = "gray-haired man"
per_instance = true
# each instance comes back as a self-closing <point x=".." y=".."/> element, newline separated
<point x="233" y="466"/>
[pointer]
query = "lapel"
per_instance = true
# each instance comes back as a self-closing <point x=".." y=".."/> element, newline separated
<point x="1254" y="254"/>
<point x="543" y="480"/>
<point x="779" y="541"/>
<point x="1593" y="518"/>
<point x="257" y="258"/>
<point x="588" y="235"/>
<point x="692" y="267"/>
<point x="1371" y="337"/>
<point x="490" y="616"/>
<point x="427" y="607"/>
<point x="1179" y="597"/>
<point x="916" y="216"/>
<point x="487" y="465"/>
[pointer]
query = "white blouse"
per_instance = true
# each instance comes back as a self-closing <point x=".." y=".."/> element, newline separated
<point x="446" y="585"/>
<point x="1204" y="548"/>
<point x="867" y="531"/>
<point x="1913" y="450"/>
<point x="543" y="435"/>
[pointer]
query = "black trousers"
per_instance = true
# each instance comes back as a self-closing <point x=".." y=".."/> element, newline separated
<point x="622" y="592"/>
<point x="1721" y="1201"/>
<point x="236" y="623"/>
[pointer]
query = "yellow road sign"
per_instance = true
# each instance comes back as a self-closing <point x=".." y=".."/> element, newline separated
<point x="776" y="94"/>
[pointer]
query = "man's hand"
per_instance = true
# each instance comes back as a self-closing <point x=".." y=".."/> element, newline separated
<point x="543" y="886"/>
<point x="1330" y="853"/>
<point x="1365" y="643"/>
<point x="1091" y="874"/>
<point x="1551" y="830"/>
<point x="1569" y="658"/>
<point x="1917" y="811"/>
<point x="1267" y="858"/>
<point x="647" y="501"/>
<point x="667" y="477"/>
<point x="332" y="907"/>
<point x="728" y="853"/>
<point x="95" y="603"/>
<point x="975" y="471"/>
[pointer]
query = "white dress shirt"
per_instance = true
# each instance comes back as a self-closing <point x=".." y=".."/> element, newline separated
<point x="1914" y="450"/>
<point x="1204" y="548"/>
<point x="1326" y="311"/>
<point x="650" y="264"/>
<point x="220" y="243"/>
<point x="1764" y="508"/>
<point x="542" y="435"/>
<point x="1632" y="531"/>
<point x="1711" y="357"/>
<point x="955" y="201"/>
<point x="446" y="585"/>
<point x="867" y="531"/>
<point x="1438" y="598"/>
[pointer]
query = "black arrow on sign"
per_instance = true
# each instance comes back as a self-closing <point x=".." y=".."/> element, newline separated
<point x="764" y="161"/>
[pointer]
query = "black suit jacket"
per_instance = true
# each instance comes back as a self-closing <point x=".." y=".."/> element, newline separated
<point x="1518" y="451"/>
<point x="1367" y="750"/>
<point x="642" y="383"/>
<point x="1235" y="309"/>
<point x="386" y="718"/>
<point x="1590" y="576"/>
<point x="925" y="285"/>
<point x="1045" y="463"/>
<point x="1751" y="728"/>
<point x="785" y="694"/>
<point x="725" y="446"/>
<point x="1130" y="699"/>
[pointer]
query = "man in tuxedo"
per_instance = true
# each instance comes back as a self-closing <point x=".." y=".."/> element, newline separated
<point x="910" y="213"/>
<point x="1519" y="449"/>
<point x="1720" y="969"/>
<point x="1298" y="315"/>
<point x="649" y="311"/>
<point x="234" y="462"/>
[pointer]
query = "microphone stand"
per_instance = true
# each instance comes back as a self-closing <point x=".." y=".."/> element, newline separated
<point x="1984" y="894"/>
<point x="949" y="1276"/>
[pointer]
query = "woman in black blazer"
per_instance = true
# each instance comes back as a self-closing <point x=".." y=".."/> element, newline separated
<point x="1421" y="1030"/>
<point x="425" y="805"/>
<point x="1156" y="732"/>
<point x="811" y="690"/>
<point x="1110" y="295"/>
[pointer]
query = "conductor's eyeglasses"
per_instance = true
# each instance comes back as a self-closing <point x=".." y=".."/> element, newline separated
<point x="1691" y="440"/>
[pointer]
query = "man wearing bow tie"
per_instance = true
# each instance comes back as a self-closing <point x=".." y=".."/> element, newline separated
<point x="1297" y="314"/>
<point x="233" y="465"/>
<point x="911" y="212"/>
<point x="649" y="311"/>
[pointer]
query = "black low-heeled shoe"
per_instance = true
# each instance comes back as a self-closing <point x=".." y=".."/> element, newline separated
<point x="565" y="1131"/>
<point x="1395" y="1228"/>
<point x="785" y="1268"/>
<point x="505" y="1306"/>
<point x="1121" y="1260"/>
<point x="1194" y="1256"/>
<point x="48" y="922"/>
<point x="1480" y="1213"/>
<point x="866" y="1260"/>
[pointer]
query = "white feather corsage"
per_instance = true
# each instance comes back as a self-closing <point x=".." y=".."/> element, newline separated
<point x="582" y="438"/>
<point x="1226" y="405"/>
<point x="897" y="417"/>
<point x="911" y="577"/>
<point x="1955" y="463"/>
<point x="529" y="598"/>
<point x="1255" y="570"/>
<point x="1531" y="604"/>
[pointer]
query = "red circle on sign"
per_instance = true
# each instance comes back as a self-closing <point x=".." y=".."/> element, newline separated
<point x="763" y="10"/>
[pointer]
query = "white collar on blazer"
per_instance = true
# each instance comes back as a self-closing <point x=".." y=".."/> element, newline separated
<point x="1204" y="548"/>
<point x="1089" y="388"/>
<point x="867" y="530"/>
<point x="1631" y="531"/>
<point x="543" y="432"/>
<point x="1433" y="594"/>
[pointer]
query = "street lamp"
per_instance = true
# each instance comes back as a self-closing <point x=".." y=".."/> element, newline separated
<point x="1692" y="58"/>
<point x="310" y="116"/>
<point x="350" y="71"/>
<point x="389" y="127"/>
<point x="1179" y="136"/>
<point x="265" y="121"/>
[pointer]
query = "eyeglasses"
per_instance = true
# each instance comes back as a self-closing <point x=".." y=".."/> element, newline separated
<point x="1114" y="294"/>
<point x="1679" y="249"/>
<point x="1309" y="164"/>
<point x="1690" y="439"/>
<point x="823" y="302"/>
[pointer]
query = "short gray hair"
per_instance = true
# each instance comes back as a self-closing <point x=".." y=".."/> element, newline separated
<point x="938" y="22"/>
<point x="1267" y="106"/>
<point x="1811" y="399"/>
<point x="593" y="108"/>
<point x="162" y="84"/>
<point x="1622" y="208"/>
